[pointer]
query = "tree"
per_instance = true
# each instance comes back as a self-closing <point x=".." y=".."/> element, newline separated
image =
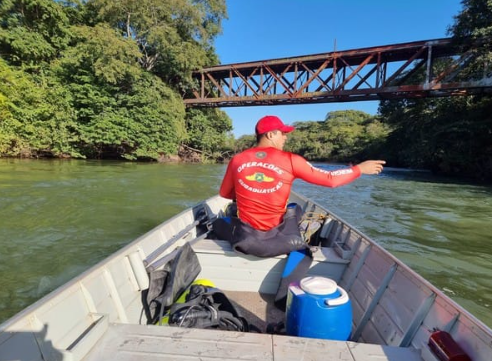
<point x="473" y="25"/>
<point x="174" y="37"/>
<point x="309" y="141"/>
<point x="344" y="129"/>
<point x="206" y="129"/>
<point x="7" y="78"/>
<point x="449" y="135"/>
<point x="100" y="53"/>
<point x="123" y="111"/>
<point x="244" y="142"/>
<point x="101" y="78"/>
<point x="8" y="90"/>
<point x="32" y="31"/>
<point x="146" y="122"/>
<point x="36" y="116"/>
<point x="344" y="136"/>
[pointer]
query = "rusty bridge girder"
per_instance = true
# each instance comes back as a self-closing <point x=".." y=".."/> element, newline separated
<point x="375" y="73"/>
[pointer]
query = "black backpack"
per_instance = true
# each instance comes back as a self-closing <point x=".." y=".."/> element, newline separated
<point x="168" y="283"/>
<point x="209" y="308"/>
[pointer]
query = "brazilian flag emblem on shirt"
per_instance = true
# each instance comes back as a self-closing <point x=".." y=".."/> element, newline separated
<point x="259" y="177"/>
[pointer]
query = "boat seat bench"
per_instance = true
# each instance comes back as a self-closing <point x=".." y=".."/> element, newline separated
<point x="323" y="254"/>
<point x="125" y="342"/>
<point x="237" y="272"/>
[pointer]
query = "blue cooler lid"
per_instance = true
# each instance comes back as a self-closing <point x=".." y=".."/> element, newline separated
<point x="320" y="286"/>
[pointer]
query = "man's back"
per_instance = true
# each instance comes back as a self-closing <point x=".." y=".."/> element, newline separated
<point x="260" y="180"/>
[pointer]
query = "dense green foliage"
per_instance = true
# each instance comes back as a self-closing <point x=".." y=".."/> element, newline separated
<point x="102" y="78"/>
<point x="344" y="136"/>
<point x="451" y="136"/>
<point x="448" y="135"/>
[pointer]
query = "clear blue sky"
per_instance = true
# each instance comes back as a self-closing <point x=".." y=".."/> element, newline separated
<point x="267" y="29"/>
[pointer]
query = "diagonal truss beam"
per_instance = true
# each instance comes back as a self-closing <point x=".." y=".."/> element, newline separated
<point x="393" y="71"/>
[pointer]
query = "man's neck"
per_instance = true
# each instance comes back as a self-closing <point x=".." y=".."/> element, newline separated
<point x="265" y="143"/>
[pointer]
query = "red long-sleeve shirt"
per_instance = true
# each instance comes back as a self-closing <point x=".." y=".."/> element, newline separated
<point x="260" y="180"/>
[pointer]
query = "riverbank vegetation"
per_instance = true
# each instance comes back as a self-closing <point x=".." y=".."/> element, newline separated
<point x="106" y="79"/>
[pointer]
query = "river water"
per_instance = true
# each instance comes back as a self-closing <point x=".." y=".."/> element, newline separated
<point x="59" y="217"/>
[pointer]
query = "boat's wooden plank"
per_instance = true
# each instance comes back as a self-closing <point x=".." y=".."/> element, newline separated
<point x="123" y="280"/>
<point x="369" y="312"/>
<point x="248" y="273"/>
<point x="376" y="267"/>
<point x="153" y="239"/>
<point x="371" y="352"/>
<point x="113" y="291"/>
<point x="101" y="298"/>
<point x="357" y="262"/>
<point x="389" y="319"/>
<point x="67" y="315"/>
<point x="128" y="295"/>
<point x="323" y="254"/>
<point x="142" y="343"/>
<point x="159" y="235"/>
<point x="393" y="316"/>
<point x="213" y="246"/>
<point x="384" y="326"/>
<point x="286" y="348"/>
<point x="241" y="273"/>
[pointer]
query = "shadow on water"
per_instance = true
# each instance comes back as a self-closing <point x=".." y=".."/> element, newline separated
<point x="425" y="176"/>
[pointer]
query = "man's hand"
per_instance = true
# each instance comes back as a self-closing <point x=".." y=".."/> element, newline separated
<point x="371" y="166"/>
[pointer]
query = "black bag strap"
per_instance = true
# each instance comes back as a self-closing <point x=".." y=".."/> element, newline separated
<point x="207" y="308"/>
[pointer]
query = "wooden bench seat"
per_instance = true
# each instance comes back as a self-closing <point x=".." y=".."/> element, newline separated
<point x="323" y="254"/>
<point x="232" y="271"/>
<point x="144" y="343"/>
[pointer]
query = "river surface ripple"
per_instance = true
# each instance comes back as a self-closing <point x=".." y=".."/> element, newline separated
<point x="58" y="218"/>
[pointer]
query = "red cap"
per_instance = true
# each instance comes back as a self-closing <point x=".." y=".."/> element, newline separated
<point x="271" y="122"/>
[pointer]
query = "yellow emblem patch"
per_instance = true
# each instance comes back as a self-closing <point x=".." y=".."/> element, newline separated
<point x="259" y="177"/>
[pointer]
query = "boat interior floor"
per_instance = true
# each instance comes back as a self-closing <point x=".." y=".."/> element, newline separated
<point x="257" y="308"/>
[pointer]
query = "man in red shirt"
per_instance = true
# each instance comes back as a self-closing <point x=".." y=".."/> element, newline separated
<point x="260" y="179"/>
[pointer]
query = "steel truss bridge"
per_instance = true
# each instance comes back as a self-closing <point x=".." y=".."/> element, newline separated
<point x="431" y="68"/>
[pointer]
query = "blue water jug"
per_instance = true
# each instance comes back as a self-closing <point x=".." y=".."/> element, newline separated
<point x="318" y="308"/>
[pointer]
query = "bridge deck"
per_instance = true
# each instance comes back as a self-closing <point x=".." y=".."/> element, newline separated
<point x="375" y="73"/>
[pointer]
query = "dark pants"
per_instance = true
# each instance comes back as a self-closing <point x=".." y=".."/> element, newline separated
<point x="245" y="239"/>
